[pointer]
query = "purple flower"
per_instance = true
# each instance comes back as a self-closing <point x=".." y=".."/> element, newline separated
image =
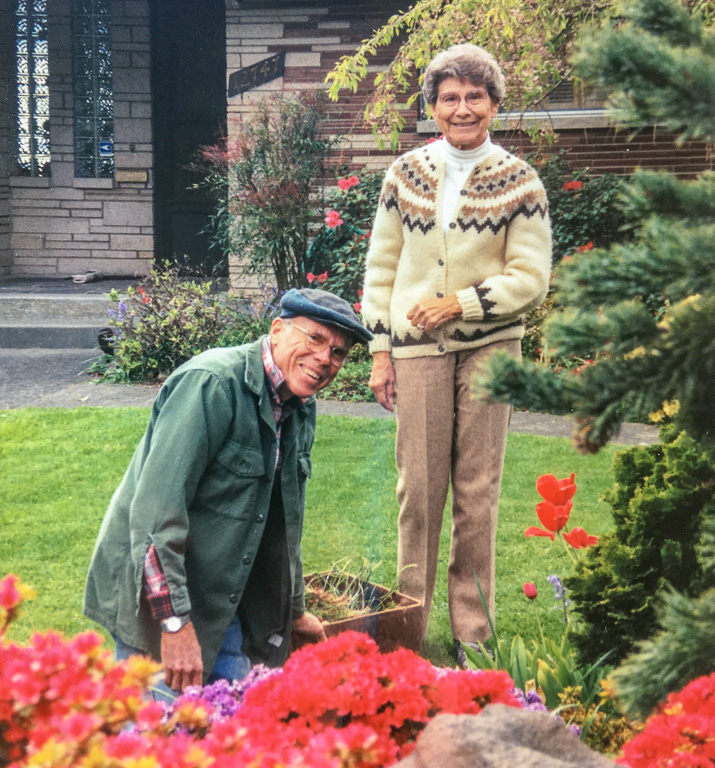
<point x="225" y="697"/>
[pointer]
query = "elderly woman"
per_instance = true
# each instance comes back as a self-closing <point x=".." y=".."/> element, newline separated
<point x="460" y="250"/>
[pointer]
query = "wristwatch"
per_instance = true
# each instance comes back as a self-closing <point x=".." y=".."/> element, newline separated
<point x="174" y="623"/>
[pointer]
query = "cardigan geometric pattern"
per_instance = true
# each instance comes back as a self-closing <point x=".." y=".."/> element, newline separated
<point x="495" y="255"/>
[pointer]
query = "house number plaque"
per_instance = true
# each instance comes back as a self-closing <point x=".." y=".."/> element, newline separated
<point x="257" y="74"/>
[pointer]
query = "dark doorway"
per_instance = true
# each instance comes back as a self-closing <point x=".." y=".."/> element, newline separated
<point x="189" y="111"/>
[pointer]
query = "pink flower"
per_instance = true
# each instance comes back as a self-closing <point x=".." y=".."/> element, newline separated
<point x="357" y="306"/>
<point x="530" y="590"/>
<point x="9" y="593"/>
<point x="573" y="185"/>
<point x="322" y="278"/>
<point x="310" y="277"/>
<point x="333" y="220"/>
<point x="351" y="181"/>
<point x="584" y="248"/>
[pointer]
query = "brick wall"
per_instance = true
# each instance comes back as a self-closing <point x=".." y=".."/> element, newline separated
<point x="62" y="225"/>
<point x="605" y="150"/>
<point x="315" y="35"/>
<point x="7" y="100"/>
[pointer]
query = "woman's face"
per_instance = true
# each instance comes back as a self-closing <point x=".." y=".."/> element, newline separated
<point x="463" y="112"/>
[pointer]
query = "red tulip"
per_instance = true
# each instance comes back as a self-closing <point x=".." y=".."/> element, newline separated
<point x="556" y="491"/>
<point x="530" y="590"/>
<point x="579" y="539"/>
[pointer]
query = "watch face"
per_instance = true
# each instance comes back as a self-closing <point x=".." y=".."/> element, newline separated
<point x="173" y="624"/>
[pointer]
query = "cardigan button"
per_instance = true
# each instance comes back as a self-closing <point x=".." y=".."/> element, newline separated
<point x="233" y="598"/>
<point x="440" y="348"/>
<point x="441" y="262"/>
<point x="259" y="518"/>
<point x="247" y="560"/>
<point x="440" y="295"/>
<point x="463" y="192"/>
<point x="452" y="226"/>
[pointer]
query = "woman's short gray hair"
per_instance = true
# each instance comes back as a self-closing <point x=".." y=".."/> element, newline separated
<point x="465" y="62"/>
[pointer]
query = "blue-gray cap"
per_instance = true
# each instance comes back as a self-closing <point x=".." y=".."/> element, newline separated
<point x="323" y="307"/>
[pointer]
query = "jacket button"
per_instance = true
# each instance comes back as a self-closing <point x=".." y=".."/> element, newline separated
<point x="452" y="226"/>
<point x="233" y="598"/>
<point x="440" y="295"/>
<point x="463" y="192"/>
<point x="259" y="518"/>
<point x="247" y="559"/>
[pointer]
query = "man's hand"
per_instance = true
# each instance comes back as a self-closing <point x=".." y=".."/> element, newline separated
<point x="430" y="314"/>
<point x="310" y="627"/>
<point x="382" y="380"/>
<point x="181" y="657"/>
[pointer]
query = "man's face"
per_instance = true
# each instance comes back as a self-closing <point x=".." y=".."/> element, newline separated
<point x="306" y="369"/>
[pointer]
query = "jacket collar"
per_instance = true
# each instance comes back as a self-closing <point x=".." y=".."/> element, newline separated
<point x="255" y="378"/>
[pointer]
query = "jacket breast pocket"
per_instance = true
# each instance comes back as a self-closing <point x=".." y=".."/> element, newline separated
<point x="232" y="481"/>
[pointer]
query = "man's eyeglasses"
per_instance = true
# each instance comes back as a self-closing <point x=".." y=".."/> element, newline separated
<point x="452" y="100"/>
<point x="318" y="344"/>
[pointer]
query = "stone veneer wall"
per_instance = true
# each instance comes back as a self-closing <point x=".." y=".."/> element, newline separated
<point x="62" y="225"/>
<point x="7" y="99"/>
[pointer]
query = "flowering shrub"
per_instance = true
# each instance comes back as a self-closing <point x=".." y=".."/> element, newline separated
<point x="680" y="733"/>
<point x="338" y="704"/>
<point x="340" y="247"/>
<point x="160" y="324"/>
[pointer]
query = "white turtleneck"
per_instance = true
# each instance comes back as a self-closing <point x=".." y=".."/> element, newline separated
<point x="459" y="164"/>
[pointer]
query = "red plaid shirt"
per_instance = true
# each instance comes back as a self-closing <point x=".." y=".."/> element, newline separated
<point x="156" y="590"/>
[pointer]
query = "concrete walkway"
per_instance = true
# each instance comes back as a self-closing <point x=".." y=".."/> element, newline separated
<point x="55" y="378"/>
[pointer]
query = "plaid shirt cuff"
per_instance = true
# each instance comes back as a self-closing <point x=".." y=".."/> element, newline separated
<point x="156" y="590"/>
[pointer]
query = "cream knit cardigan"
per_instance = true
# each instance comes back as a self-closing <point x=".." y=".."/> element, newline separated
<point x="495" y="255"/>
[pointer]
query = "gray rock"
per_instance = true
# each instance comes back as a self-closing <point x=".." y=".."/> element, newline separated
<point x="501" y="737"/>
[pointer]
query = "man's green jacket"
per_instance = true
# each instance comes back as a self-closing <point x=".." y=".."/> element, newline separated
<point x="199" y="488"/>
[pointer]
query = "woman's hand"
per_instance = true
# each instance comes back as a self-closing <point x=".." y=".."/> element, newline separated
<point x="382" y="380"/>
<point x="430" y="314"/>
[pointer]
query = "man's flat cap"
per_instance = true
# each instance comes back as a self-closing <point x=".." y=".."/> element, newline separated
<point x="324" y="307"/>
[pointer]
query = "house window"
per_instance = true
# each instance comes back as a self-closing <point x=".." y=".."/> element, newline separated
<point x="33" y="99"/>
<point x="93" y="95"/>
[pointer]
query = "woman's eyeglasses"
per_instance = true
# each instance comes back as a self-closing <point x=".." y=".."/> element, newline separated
<point x="318" y="344"/>
<point x="452" y="100"/>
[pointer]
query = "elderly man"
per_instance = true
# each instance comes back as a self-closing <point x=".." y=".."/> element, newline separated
<point x="198" y="558"/>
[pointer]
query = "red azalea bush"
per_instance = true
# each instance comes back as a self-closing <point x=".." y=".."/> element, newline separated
<point x="680" y="733"/>
<point x="339" y="704"/>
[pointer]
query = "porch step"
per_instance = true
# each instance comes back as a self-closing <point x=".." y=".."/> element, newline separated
<point x="49" y="336"/>
<point x="51" y="321"/>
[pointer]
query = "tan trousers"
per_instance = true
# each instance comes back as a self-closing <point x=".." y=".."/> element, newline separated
<point x="441" y="432"/>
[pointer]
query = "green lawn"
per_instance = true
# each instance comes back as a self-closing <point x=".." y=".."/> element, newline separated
<point x="58" y="469"/>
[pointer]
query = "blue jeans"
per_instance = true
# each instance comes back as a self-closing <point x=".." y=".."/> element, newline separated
<point x="231" y="663"/>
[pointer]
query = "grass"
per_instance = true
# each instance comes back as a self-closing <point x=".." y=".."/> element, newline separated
<point x="59" y="468"/>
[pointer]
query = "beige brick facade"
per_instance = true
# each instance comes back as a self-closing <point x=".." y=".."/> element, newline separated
<point x="62" y="225"/>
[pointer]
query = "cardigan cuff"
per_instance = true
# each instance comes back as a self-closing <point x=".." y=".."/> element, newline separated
<point x="471" y="306"/>
<point x="380" y="343"/>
